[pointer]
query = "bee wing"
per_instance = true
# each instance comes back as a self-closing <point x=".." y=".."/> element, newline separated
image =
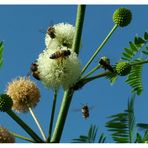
<point x="77" y="110"/>
<point x="91" y="107"/>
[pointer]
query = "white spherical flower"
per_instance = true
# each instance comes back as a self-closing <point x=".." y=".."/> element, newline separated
<point x="58" y="72"/>
<point x="61" y="34"/>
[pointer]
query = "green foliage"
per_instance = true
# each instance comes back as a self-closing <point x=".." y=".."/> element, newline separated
<point x="1" y="53"/>
<point x="140" y="139"/>
<point x="135" y="47"/>
<point x="90" y="137"/>
<point x="112" y="77"/>
<point x="143" y="126"/>
<point x="134" y="79"/>
<point x="122" y="125"/>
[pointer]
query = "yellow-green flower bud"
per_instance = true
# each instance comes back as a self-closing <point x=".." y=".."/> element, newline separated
<point x="123" y="68"/>
<point x="122" y="17"/>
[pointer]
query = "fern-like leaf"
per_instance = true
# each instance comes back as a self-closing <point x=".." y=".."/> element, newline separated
<point x="122" y="125"/>
<point x="140" y="139"/>
<point x="134" y="79"/>
<point x="135" y="47"/>
<point x="1" y="53"/>
<point x="91" y="137"/>
<point x="112" y="77"/>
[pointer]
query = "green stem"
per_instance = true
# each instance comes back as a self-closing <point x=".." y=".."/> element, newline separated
<point x="62" y="116"/>
<point x="69" y="93"/>
<point x="92" y="71"/>
<point x="139" y="62"/>
<point x="37" y="123"/>
<point x="52" y="114"/>
<point x="79" y="27"/>
<point x="99" y="48"/>
<point x="24" y="126"/>
<point x="22" y="137"/>
<point x="103" y="74"/>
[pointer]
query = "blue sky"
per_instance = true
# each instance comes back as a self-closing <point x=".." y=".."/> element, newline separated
<point x="19" y="28"/>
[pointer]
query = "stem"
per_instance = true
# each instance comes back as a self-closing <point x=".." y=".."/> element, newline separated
<point x="22" y="137"/>
<point x="99" y="48"/>
<point x="37" y="123"/>
<point x="52" y="114"/>
<point x="139" y="62"/>
<point x="69" y="93"/>
<point x="92" y="71"/>
<point x="103" y="74"/>
<point x="62" y="116"/>
<point x="24" y="126"/>
<point x="79" y="27"/>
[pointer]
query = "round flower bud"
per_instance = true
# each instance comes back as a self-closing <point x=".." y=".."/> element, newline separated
<point x="122" y="17"/>
<point x="59" y="35"/>
<point x="5" y="103"/>
<point x="60" y="67"/>
<point x="24" y="94"/>
<point x="6" y="136"/>
<point x="123" y="68"/>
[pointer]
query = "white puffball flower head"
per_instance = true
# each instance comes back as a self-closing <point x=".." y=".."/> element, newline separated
<point x="55" y="73"/>
<point x="63" y="36"/>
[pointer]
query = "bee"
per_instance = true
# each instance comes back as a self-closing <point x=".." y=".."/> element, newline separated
<point x="106" y="64"/>
<point x="34" y="71"/>
<point x="85" y="111"/>
<point x="60" y="54"/>
<point x="51" y="32"/>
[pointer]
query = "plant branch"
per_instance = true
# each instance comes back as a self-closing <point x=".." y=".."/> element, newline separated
<point x="52" y="114"/>
<point x="37" y="123"/>
<point x="69" y="93"/>
<point x="79" y="27"/>
<point x="62" y="116"/>
<point x="99" y="48"/>
<point x="103" y="74"/>
<point x="24" y="126"/>
<point x="139" y="62"/>
<point x="92" y="71"/>
<point x="22" y="137"/>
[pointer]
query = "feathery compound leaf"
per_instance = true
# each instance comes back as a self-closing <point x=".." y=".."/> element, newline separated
<point x="135" y="47"/>
<point x="102" y="138"/>
<point x="91" y="137"/>
<point x="1" y="53"/>
<point x="140" y="139"/>
<point x="134" y="79"/>
<point x="112" y="77"/>
<point x="142" y="126"/>
<point x="122" y="124"/>
<point x="146" y="36"/>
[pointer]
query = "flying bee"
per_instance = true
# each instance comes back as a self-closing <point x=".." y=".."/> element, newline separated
<point x="105" y="63"/>
<point x="34" y="71"/>
<point x="60" y="54"/>
<point x="85" y="109"/>
<point x="51" y="32"/>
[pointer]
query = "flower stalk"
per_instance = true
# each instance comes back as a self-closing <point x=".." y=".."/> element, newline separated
<point x="37" y="123"/>
<point x="62" y="116"/>
<point x="52" y="115"/>
<point x="99" y="48"/>
<point x="79" y="26"/>
<point x="24" y="126"/>
<point x="92" y="71"/>
<point x="22" y="137"/>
